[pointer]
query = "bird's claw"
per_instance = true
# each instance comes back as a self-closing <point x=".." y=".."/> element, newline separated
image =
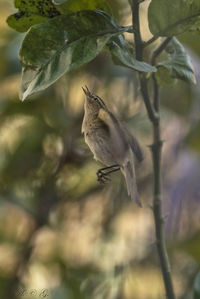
<point x="102" y="177"/>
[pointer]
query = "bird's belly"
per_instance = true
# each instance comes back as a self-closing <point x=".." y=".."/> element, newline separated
<point x="100" y="145"/>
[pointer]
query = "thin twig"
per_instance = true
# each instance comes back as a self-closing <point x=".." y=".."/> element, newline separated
<point x="153" y="113"/>
<point x="150" y="41"/>
<point x="159" y="49"/>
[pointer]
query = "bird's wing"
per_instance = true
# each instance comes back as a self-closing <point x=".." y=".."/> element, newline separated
<point x="134" y="144"/>
<point x="118" y="140"/>
<point x="128" y="170"/>
<point x="125" y="146"/>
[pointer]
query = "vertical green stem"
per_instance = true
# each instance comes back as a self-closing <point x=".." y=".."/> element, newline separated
<point x="154" y="116"/>
<point x="157" y="210"/>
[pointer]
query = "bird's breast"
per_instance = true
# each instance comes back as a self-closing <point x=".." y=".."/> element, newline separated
<point x="99" y="142"/>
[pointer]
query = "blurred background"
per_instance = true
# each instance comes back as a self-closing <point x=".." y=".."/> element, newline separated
<point x="62" y="235"/>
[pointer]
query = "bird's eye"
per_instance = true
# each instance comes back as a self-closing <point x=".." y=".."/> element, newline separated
<point x="96" y="99"/>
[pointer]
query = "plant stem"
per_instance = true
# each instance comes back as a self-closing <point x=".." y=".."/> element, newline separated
<point x="139" y="56"/>
<point x="154" y="116"/>
<point x="150" y="41"/>
<point x="159" y="49"/>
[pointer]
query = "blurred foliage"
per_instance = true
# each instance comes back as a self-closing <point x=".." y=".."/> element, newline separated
<point x="197" y="287"/>
<point x="171" y="17"/>
<point x="63" y="235"/>
<point x="179" y="66"/>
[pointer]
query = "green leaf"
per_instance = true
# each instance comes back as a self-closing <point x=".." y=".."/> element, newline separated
<point x="55" y="47"/>
<point x="164" y="78"/>
<point x="197" y="286"/>
<point x="172" y="17"/>
<point x="178" y="66"/>
<point x="43" y="8"/>
<point x="31" y="13"/>
<point x="21" y="21"/>
<point x="122" y="54"/>
<point x="69" y="6"/>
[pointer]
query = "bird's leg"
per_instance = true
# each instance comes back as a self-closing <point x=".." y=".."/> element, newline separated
<point x="102" y="174"/>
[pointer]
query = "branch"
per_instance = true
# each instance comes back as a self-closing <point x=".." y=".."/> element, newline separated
<point x="151" y="40"/>
<point x="159" y="49"/>
<point x="153" y="113"/>
<point x="136" y="27"/>
<point x="139" y="56"/>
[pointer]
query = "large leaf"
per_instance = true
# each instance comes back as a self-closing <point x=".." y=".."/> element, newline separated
<point x="44" y="7"/>
<point x="69" y="6"/>
<point x="36" y="11"/>
<point x="171" y="17"/>
<point x="178" y="66"/>
<point x="122" y="54"/>
<point x="22" y="21"/>
<point x="55" y="47"/>
<point x="31" y="13"/>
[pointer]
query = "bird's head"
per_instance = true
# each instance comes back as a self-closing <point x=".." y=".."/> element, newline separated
<point x="93" y="102"/>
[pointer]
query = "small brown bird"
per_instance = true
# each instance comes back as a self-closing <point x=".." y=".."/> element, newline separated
<point x="110" y="142"/>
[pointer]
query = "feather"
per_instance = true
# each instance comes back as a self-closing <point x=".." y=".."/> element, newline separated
<point x="128" y="170"/>
<point x="117" y="137"/>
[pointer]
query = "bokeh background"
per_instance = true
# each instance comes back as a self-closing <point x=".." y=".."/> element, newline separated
<point x="62" y="235"/>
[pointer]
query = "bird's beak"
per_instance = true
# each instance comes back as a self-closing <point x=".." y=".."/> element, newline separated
<point x="86" y="91"/>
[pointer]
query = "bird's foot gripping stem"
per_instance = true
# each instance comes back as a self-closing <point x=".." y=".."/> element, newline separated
<point x="103" y="173"/>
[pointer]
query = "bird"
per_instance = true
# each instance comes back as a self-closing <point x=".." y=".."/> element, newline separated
<point x="111" y="143"/>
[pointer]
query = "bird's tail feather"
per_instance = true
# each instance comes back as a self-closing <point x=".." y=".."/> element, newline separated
<point x="129" y="173"/>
